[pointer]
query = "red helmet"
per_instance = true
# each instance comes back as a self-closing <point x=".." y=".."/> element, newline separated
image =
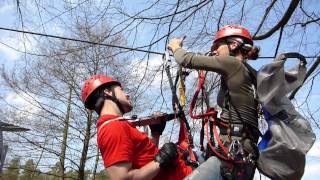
<point x="94" y="83"/>
<point x="233" y="30"/>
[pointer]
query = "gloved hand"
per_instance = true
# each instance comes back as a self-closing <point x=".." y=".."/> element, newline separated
<point x="167" y="155"/>
<point x="158" y="128"/>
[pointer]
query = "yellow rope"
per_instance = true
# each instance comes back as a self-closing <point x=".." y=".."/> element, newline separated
<point x="182" y="93"/>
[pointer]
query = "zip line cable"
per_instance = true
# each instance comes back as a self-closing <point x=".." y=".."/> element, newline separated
<point x="79" y="40"/>
<point x="103" y="44"/>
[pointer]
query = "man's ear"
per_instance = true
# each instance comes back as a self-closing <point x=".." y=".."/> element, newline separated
<point x="108" y="92"/>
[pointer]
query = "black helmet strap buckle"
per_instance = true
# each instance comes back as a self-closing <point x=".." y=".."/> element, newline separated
<point x="242" y="45"/>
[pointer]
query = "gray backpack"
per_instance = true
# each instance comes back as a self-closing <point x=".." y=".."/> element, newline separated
<point x="289" y="137"/>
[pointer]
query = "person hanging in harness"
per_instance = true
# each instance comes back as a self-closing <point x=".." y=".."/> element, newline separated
<point x="128" y="153"/>
<point x="231" y="48"/>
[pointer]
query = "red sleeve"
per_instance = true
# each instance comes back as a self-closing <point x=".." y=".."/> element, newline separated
<point x="115" y="143"/>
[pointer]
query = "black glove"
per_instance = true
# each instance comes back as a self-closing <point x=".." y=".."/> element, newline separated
<point x="167" y="155"/>
<point x="158" y="128"/>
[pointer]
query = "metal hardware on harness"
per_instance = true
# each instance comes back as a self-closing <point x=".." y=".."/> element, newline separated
<point x="167" y="61"/>
<point x="235" y="149"/>
<point x="236" y="130"/>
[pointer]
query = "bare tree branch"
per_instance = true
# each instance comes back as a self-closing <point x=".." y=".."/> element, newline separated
<point x="313" y="67"/>
<point x="264" y="16"/>
<point x="221" y="14"/>
<point x="279" y="41"/>
<point x="293" y="5"/>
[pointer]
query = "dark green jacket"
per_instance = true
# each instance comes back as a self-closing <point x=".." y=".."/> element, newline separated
<point x="235" y="78"/>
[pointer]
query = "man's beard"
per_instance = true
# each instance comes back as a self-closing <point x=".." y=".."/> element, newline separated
<point x="126" y="106"/>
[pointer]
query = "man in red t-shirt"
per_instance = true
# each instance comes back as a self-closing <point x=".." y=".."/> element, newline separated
<point x="127" y="153"/>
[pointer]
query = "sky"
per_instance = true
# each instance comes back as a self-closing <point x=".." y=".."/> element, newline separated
<point x="8" y="55"/>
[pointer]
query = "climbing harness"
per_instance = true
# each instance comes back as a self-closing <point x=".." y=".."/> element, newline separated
<point x="233" y="153"/>
<point x="235" y="149"/>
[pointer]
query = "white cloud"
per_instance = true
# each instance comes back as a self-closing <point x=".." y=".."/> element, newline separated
<point x="311" y="171"/>
<point x="23" y="103"/>
<point x="15" y="99"/>
<point x="154" y="64"/>
<point x="11" y="47"/>
<point x="57" y="30"/>
<point x="8" y="53"/>
<point x="4" y="8"/>
<point x="315" y="151"/>
<point x="312" y="162"/>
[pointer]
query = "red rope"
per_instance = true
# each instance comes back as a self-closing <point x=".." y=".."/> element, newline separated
<point x="184" y="143"/>
<point x="210" y="111"/>
<point x="213" y="114"/>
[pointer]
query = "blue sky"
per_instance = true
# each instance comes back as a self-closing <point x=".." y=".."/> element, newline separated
<point x="8" y="18"/>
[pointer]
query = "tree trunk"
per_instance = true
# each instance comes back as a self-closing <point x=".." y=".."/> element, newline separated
<point x="85" y="148"/>
<point x="96" y="164"/>
<point x="65" y="137"/>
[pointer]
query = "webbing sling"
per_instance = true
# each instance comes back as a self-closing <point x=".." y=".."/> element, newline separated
<point x="111" y="120"/>
<point x="185" y="140"/>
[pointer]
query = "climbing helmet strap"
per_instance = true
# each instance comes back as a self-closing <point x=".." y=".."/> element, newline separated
<point x="114" y="99"/>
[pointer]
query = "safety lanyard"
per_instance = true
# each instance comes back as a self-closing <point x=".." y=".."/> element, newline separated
<point x="185" y="140"/>
<point x="111" y="120"/>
